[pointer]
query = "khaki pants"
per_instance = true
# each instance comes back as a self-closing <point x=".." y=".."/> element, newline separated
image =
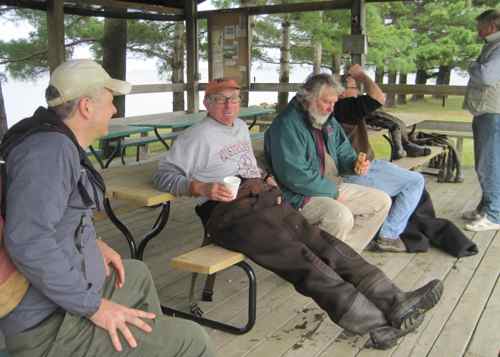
<point x="362" y="207"/>
<point x="65" y="334"/>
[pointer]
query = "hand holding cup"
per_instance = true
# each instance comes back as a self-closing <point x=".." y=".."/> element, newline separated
<point x="233" y="184"/>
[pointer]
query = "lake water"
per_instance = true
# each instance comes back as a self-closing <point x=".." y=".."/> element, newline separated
<point x="23" y="97"/>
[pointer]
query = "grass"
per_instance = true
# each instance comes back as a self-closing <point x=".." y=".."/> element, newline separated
<point x="432" y="107"/>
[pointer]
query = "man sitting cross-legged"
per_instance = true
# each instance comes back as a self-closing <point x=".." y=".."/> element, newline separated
<point x="258" y="223"/>
<point x="405" y="187"/>
<point x="309" y="154"/>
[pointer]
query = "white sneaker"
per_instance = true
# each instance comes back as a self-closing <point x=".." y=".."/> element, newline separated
<point x="472" y="215"/>
<point x="482" y="224"/>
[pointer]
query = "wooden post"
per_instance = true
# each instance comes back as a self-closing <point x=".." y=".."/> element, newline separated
<point x="190" y="12"/>
<point x="55" y="25"/>
<point x="358" y="20"/>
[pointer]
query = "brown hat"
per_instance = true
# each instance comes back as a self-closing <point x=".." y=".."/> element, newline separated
<point x="218" y="85"/>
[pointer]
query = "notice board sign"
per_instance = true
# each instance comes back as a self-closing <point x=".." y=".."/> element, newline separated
<point x="229" y="48"/>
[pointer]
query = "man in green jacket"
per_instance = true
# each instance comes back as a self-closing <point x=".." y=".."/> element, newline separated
<point x="309" y="152"/>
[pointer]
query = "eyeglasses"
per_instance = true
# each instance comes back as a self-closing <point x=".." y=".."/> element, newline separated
<point x="222" y="99"/>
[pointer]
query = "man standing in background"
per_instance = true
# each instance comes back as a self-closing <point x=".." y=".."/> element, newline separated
<point x="482" y="99"/>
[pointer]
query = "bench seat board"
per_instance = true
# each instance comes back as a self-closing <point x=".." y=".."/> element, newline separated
<point x="208" y="259"/>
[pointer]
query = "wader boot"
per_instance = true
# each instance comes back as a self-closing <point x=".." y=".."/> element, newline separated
<point x="397" y="150"/>
<point x="414" y="149"/>
<point x="401" y="309"/>
<point x="279" y="238"/>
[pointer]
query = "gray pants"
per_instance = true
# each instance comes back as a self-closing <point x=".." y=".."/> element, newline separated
<point x="362" y="213"/>
<point x="65" y="334"/>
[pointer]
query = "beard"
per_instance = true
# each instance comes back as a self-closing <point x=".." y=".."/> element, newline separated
<point x="317" y="119"/>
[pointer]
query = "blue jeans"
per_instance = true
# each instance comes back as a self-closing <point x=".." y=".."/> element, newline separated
<point x="404" y="186"/>
<point x="486" y="130"/>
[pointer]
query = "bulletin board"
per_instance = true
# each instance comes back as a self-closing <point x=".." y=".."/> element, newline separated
<point x="229" y="48"/>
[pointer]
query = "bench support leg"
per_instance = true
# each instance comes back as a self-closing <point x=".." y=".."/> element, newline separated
<point x="121" y="227"/>
<point x="158" y="135"/>
<point x="252" y="307"/>
<point x="160" y="223"/>
<point x="116" y="151"/>
<point x="96" y="155"/>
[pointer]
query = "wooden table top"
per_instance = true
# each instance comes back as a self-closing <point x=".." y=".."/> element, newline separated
<point x="134" y="183"/>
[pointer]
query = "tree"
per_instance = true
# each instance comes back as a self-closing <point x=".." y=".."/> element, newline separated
<point x="27" y="58"/>
<point x="3" y="115"/>
<point x="114" y="55"/>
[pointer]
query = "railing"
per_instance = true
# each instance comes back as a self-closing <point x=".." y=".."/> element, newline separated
<point x="294" y="87"/>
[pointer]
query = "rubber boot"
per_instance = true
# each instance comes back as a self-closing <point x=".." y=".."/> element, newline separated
<point x="415" y="150"/>
<point x="400" y="307"/>
<point x="363" y="316"/>
<point x="386" y="337"/>
<point x="397" y="150"/>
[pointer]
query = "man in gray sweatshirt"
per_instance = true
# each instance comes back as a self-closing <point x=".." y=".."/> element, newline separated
<point x="258" y="223"/>
<point x="83" y="299"/>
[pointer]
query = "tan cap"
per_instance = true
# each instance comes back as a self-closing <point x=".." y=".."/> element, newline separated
<point x="76" y="78"/>
<point x="218" y="85"/>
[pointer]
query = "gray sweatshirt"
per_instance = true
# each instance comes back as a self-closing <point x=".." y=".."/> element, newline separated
<point x="49" y="232"/>
<point x="207" y="152"/>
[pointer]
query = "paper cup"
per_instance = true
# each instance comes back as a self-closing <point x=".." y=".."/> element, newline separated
<point x="232" y="183"/>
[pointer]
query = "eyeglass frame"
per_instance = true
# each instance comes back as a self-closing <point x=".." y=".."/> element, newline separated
<point x="234" y="99"/>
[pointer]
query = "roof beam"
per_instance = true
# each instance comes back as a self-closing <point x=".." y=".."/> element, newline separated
<point x="113" y="4"/>
<point x="289" y="8"/>
<point x="73" y="10"/>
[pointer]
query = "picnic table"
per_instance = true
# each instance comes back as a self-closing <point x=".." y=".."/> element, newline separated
<point x="182" y="120"/>
<point x="133" y="184"/>
<point x="116" y="132"/>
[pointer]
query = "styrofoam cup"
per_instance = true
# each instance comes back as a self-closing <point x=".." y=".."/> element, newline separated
<point x="232" y="183"/>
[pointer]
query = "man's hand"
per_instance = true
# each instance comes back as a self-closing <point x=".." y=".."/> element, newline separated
<point x="111" y="257"/>
<point x="271" y="181"/>
<point x="114" y="317"/>
<point x="357" y="72"/>
<point x="214" y="191"/>
<point x="362" y="168"/>
<point x="371" y="88"/>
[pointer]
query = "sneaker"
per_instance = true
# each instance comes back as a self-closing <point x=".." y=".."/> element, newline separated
<point x="472" y="215"/>
<point x="390" y="245"/>
<point x="482" y="224"/>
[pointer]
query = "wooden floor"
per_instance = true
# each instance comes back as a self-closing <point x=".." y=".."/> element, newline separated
<point x="465" y="323"/>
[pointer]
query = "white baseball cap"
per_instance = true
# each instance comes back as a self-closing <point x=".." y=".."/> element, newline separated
<point x="76" y="78"/>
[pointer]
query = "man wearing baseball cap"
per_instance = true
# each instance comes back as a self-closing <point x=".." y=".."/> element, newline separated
<point x="83" y="299"/>
<point x="260" y="224"/>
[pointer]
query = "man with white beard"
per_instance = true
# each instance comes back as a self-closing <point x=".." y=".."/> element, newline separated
<point x="308" y="152"/>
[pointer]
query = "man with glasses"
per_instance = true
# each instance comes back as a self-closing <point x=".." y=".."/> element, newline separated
<point x="258" y="223"/>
